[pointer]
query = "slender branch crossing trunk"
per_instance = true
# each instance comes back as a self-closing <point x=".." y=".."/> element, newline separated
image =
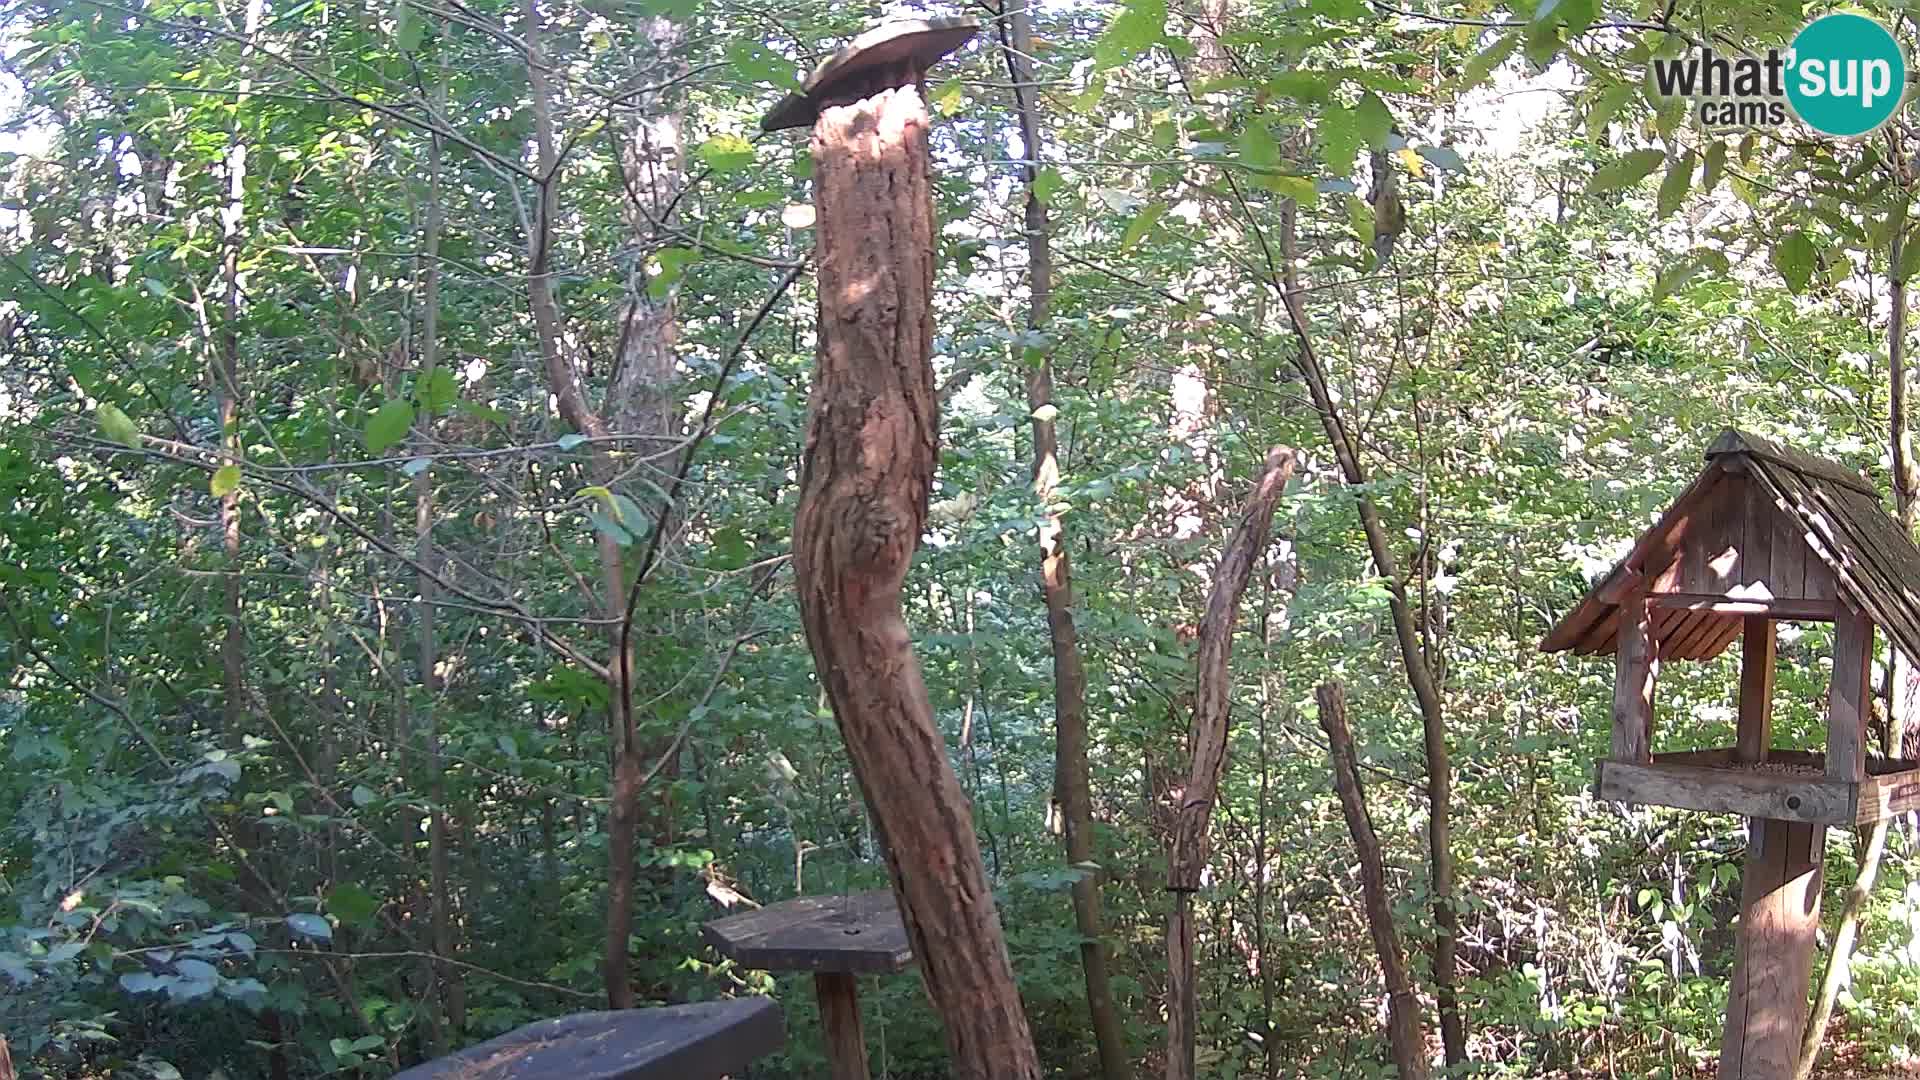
<point x="872" y="427"/>
<point x="1405" y="1034"/>
<point x="1446" y="923"/>
<point x="1207" y="747"/>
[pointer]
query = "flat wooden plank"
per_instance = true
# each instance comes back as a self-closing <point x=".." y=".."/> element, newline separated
<point x="854" y="934"/>
<point x="1757" y="517"/>
<point x="1849" y="696"/>
<point x="706" y="1041"/>
<point x="1773" y="951"/>
<point x="1754" y="729"/>
<point x="1722" y="605"/>
<point x="1888" y="794"/>
<point x="1636" y="669"/>
<point x="1723" y="790"/>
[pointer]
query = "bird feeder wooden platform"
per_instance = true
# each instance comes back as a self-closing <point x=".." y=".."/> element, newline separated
<point x="836" y="938"/>
<point x="1765" y="533"/>
<point x="705" y="1041"/>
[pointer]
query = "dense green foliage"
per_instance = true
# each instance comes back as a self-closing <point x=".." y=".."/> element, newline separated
<point x="194" y="884"/>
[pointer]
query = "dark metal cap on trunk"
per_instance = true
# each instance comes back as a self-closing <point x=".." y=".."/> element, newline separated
<point x="886" y="56"/>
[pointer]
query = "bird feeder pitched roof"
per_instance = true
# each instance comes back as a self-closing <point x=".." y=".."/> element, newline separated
<point x="1764" y="530"/>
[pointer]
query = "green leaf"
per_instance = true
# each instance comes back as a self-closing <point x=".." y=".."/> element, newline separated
<point x="225" y="481"/>
<point x="1373" y="120"/>
<point x="352" y="905"/>
<point x="1909" y="257"/>
<point x="407" y="28"/>
<point x="362" y="795"/>
<point x="673" y="262"/>
<point x="117" y="425"/>
<point x="1794" y="256"/>
<point x="1258" y="149"/>
<point x="948" y="98"/>
<point x="1142" y="224"/>
<point x="437" y="391"/>
<point x="1673" y="188"/>
<point x="1337" y="138"/>
<point x="389" y="424"/>
<point x="1141" y="26"/>
<point x="725" y="153"/>
<point x="1715" y="167"/>
<point x="1360" y="218"/>
<point x="1046" y="182"/>
<point x="572" y="440"/>
<point x="752" y="62"/>
<point x="1300" y="189"/>
<point x="1487" y="59"/>
<point x="312" y="926"/>
<point x="1625" y="171"/>
<point x="1605" y="108"/>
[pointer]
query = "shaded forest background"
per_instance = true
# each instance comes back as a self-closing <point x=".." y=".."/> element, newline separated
<point x="369" y="374"/>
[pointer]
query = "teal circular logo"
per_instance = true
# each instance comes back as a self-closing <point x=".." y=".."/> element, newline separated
<point x="1845" y="75"/>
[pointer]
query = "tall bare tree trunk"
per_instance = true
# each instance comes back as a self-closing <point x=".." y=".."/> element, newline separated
<point x="1405" y="1034"/>
<point x="1072" y="785"/>
<point x="1207" y="748"/>
<point x="1446" y="922"/>
<point x="872" y="429"/>
<point x="638" y="393"/>
<point x="447" y="978"/>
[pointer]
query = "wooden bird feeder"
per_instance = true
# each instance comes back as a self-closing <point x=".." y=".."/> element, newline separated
<point x="705" y="1041"/>
<point x="836" y="938"/>
<point x="1765" y="533"/>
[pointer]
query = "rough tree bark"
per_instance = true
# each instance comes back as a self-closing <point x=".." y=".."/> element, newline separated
<point x="1072" y="785"/>
<point x="872" y="427"/>
<point x="1426" y="692"/>
<point x="1207" y="747"/>
<point x="1405" y="1034"/>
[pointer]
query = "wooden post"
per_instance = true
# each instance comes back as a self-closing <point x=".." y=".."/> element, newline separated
<point x="866" y="473"/>
<point x="1849" y="695"/>
<point x="1754" y="735"/>
<point x="1636" y="668"/>
<point x="839" y="997"/>
<point x="1406" y="1038"/>
<point x="1773" y="955"/>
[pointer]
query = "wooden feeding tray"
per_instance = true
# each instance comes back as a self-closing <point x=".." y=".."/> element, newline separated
<point x="1790" y="785"/>
<point x="834" y="937"/>
<point x="853" y="935"/>
<point x="705" y="1041"/>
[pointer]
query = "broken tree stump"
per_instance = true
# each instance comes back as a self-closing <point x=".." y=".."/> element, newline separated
<point x="866" y="476"/>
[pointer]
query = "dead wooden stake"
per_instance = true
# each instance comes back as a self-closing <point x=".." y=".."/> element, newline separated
<point x="1406" y="1036"/>
<point x="867" y="472"/>
<point x="1207" y="748"/>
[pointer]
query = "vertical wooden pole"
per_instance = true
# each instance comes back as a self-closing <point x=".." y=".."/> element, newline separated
<point x="839" y="997"/>
<point x="1755" y="733"/>
<point x="1636" y="667"/>
<point x="1849" y="695"/>
<point x="1773" y="957"/>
